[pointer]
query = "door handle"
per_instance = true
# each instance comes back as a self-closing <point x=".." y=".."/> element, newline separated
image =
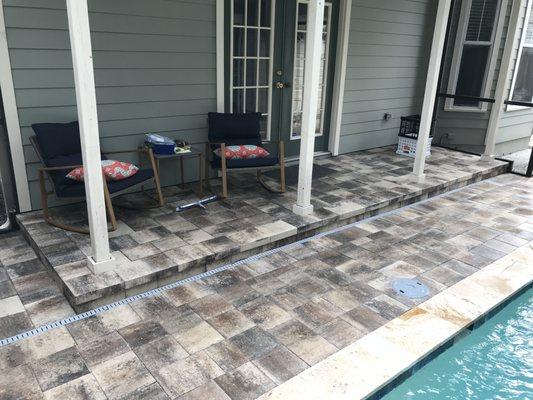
<point x="281" y="85"/>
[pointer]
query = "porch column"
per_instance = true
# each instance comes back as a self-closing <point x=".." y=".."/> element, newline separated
<point x="430" y="93"/>
<point x="313" y="51"/>
<point x="502" y="86"/>
<point x="80" y="42"/>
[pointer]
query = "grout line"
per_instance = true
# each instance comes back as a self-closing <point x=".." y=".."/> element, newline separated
<point x="226" y="267"/>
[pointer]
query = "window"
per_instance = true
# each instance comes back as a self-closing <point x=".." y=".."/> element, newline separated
<point x="299" y="67"/>
<point x="522" y="89"/>
<point x="474" y="55"/>
<point x="251" y="58"/>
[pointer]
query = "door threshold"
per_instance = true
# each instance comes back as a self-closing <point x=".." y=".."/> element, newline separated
<point x="318" y="154"/>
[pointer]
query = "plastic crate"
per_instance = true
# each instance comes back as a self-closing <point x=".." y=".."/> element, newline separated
<point x="407" y="146"/>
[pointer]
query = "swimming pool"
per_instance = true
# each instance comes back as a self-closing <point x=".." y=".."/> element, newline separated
<point x="495" y="362"/>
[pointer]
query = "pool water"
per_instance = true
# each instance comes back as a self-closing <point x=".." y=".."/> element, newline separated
<point x="494" y="362"/>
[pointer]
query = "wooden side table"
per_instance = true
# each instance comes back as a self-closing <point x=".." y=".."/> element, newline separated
<point x="194" y="153"/>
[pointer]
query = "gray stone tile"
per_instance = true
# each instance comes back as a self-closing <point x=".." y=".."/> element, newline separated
<point x="19" y="383"/>
<point x="160" y="353"/>
<point x="102" y="348"/>
<point x="231" y="322"/>
<point x="227" y="355"/>
<point x="247" y="382"/>
<point x="280" y="364"/>
<point x="254" y="342"/>
<point x="83" y="388"/>
<point x="59" y="368"/>
<point x="142" y="332"/>
<point x="265" y="313"/>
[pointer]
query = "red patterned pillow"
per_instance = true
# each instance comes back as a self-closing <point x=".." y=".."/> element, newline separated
<point x="113" y="171"/>
<point x="243" y="152"/>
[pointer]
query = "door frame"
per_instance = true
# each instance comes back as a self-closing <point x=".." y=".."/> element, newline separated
<point x="339" y="75"/>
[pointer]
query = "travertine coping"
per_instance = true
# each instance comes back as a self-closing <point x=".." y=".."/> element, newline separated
<point x="362" y="368"/>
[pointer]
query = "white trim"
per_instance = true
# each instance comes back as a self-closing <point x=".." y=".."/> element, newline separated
<point x="324" y="82"/>
<point x="339" y="78"/>
<point x="529" y="9"/>
<point x="313" y="50"/>
<point x="501" y="10"/>
<point x="258" y="57"/>
<point x="12" y="120"/>
<point x="502" y="86"/>
<point x="82" y="62"/>
<point x="430" y="91"/>
<point x="220" y="55"/>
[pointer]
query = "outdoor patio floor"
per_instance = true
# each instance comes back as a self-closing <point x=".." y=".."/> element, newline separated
<point x="239" y="333"/>
<point x="158" y="246"/>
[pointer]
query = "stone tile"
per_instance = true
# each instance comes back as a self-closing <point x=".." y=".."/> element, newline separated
<point x="59" y="368"/>
<point x="48" y="343"/>
<point x="195" y="236"/>
<point x="210" y="306"/>
<point x="88" y="329"/>
<point x="187" y="374"/>
<point x="230" y="323"/>
<point x="209" y="391"/>
<point x="442" y="274"/>
<point x="140" y="251"/>
<point x="49" y="310"/>
<point x="265" y="313"/>
<point x="24" y="268"/>
<point x="401" y="269"/>
<point x="10" y="305"/>
<point x="247" y="382"/>
<point x="340" y="333"/>
<point x="142" y="332"/>
<point x="317" y="313"/>
<point x="303" y="342"/>
<point x="122" y="375"/>
<point x="364" y="318"/>
<point x="254" y="342"/>
<point x="83" y="388"/>
<point x="153" y="392"/>
<point x="159" y="353"/>
<point x="169" y="243"/>
<point x="19" y="383"/>
<point x="198" y="337"/>
<point x="102" y="348"/>
<point x="386" y="306"/>
<point x="280" y="364"/>
<point x="227" y="355"/>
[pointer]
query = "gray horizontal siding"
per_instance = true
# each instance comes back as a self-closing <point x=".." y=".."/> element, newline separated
<point x="386" y="66"/>
<point x="155" y="71"/>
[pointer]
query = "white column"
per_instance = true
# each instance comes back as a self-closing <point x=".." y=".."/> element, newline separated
<point x="313" y="52"/>
<point x="80" y="43"/>
<point x="430" y="93"/>
<point x="502" y="87"/>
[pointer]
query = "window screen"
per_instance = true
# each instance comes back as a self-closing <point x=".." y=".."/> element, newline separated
<point x="476" y="51"/>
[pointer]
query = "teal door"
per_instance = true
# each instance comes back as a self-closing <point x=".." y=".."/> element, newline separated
<point x="265" y="42"/>
<point x="288" y="74"/>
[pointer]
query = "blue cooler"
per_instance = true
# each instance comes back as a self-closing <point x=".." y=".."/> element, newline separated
<point x="161" y="145"/>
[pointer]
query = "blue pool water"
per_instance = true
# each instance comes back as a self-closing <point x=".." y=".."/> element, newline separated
<point x="494" y="362"/>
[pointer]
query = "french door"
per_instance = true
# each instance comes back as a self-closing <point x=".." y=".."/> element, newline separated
<point x="266" y="67"/>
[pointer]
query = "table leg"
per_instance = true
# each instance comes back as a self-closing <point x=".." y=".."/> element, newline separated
<point x="181" y="172"/>
<point x="201" y="174"/>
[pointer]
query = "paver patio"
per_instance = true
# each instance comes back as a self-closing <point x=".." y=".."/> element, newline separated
<point x="239" y="333"/>
<point x="154" y="247"/>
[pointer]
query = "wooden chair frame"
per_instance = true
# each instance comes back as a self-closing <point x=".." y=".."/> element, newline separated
<point x="107" y="196"/>
<point x="224" y="168"/>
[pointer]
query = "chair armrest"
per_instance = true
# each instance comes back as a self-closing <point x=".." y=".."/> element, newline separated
<point x="59" y="168"/>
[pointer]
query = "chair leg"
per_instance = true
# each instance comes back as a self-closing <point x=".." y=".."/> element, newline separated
<point x="224" y="171"/>
<point x="109" y="208"/>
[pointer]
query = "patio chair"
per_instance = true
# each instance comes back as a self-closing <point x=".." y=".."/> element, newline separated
<point x="59" y="150"/>
<point x="241" y="129"/>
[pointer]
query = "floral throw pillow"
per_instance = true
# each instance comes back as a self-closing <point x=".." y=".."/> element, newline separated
<point x="243" y="152"/>
<point x="113" y="171"/>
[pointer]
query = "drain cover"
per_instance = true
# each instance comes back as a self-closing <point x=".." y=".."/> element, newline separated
<point x="412" y="288"/>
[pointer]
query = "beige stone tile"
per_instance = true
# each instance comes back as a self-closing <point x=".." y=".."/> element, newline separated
<point x="82" y="388"/>
<point x="199" y="337"/>
<point x="10" y="305"/>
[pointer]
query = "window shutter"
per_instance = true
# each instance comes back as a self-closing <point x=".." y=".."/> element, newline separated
<point x="481" y="20"/>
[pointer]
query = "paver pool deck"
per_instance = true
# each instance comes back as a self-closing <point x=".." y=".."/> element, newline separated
<point x="243" y="332"/>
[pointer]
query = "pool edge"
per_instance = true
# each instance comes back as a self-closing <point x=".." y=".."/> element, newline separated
<point x="372" y="366"/>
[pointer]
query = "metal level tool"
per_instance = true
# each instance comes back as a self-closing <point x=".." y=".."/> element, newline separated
<point x="200" y="203"/>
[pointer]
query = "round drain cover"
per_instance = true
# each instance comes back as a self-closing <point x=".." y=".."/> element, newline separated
<point x="411" y="288"/>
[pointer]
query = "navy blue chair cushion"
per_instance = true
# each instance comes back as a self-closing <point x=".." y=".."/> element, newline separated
<point x="249" y="163"/>
<point x="57" y="139"/>
<point x="77" y="189"/>
<point x="233" y="129"/>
